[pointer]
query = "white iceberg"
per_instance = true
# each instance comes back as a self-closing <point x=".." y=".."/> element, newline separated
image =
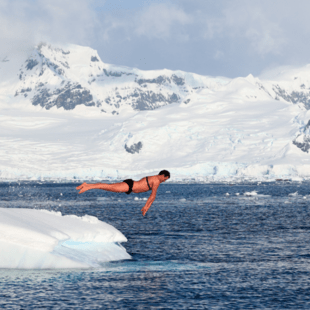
<point x="40" y="239"/>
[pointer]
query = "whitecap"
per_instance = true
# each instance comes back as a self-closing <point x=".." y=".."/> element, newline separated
<point x="253" y="193"/>
<point x="293" y="194"/>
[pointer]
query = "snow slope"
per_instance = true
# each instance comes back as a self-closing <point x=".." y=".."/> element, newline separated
<point x="64" y="114"/>
<point x="39" y="239"/>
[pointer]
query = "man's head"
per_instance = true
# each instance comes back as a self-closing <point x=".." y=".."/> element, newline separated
<point x="164" y="173"/>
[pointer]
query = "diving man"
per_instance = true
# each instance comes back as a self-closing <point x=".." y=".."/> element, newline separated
<point x="128" y="186"/>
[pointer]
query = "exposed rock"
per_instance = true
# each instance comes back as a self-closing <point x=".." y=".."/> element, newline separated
<point x="65" y="64"/>
<point x="302" y="141"/>
<point x="22" y="91"/>
<point x="55" y="68"/>
<point x="294" y="97"/>
<point x="178" y="80"/>
<point x="40" y="85"/>
<point x="135" y="148"/>
<point x="115" y="73"/>
<point x="261" y="87"/>
<point x="68" y="97"/>
<point x="159" y="80"/>
<point x="94" y="58"/>
<point x="148" y="100"/>
<point x="304" y="146"/>
<point x="31" y="63"/>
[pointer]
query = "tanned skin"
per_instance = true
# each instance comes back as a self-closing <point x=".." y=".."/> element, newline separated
<point x="122" y="187"/>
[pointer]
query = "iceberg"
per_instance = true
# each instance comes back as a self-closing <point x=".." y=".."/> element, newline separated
<point x="41" y="239"/>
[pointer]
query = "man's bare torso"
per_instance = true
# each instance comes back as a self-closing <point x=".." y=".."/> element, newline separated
<point x="141" y="185"/>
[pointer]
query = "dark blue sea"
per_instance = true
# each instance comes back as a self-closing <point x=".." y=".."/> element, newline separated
<point x="200" y="246"/>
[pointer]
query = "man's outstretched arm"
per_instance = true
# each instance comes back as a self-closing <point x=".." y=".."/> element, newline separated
<point x="150" y="200"/>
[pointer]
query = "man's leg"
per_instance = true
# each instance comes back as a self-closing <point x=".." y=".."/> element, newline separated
<point x="116" y="187"/>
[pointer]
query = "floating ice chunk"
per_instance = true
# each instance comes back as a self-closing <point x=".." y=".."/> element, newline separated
<point x="227" y="194"/>
<point x="136" y="198"/>
<point x="237" y="194"/>
<point x="44" y="239"/>
<point x="168" y="192"/>
<point x="253" y="193"/>
<point x="144" y="198"/>
<point x="293" y="194"/>
<point x="182" y="200"/>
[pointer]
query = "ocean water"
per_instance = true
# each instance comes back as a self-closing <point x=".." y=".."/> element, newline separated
<point x="200" y="246"/>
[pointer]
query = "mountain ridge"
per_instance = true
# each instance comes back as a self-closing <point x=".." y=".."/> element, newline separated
<point x="51" y="76"/>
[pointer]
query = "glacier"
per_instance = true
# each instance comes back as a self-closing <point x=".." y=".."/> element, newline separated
<point x="67" y="115"/>
<point x="40" y="239"/>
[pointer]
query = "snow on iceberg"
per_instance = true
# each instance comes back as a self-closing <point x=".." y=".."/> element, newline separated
<point x="40" y="239"/>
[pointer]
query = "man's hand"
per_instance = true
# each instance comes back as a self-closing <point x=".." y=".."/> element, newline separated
<point x="151" y="198"/>
<point x="144" y="210"/>
<point x="83" y="188"/>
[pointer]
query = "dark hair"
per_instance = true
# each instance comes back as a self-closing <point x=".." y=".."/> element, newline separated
<point x="165" y="173"/>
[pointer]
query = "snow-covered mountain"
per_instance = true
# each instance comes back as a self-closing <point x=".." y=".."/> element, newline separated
<point x="66" y="114"/>
<point x="66" y="78"/>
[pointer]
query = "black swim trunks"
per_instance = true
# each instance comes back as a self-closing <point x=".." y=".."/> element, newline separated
<point x="130" y="184"/>
<point x="147" y="181"/>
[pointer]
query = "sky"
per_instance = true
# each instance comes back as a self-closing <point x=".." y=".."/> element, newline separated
<point x="210" y="37"/>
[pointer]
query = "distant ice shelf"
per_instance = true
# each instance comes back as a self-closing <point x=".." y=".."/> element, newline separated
<point x="39" y="239"/>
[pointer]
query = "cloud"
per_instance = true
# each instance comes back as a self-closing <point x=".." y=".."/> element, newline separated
<point x="26" y="23"/>
<point x="242" y="36"/>
<point x="158" y="20"/>
<point x="242" y="22"/>
<point x="249" y="21"/>
<point x="233" y="21"/>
